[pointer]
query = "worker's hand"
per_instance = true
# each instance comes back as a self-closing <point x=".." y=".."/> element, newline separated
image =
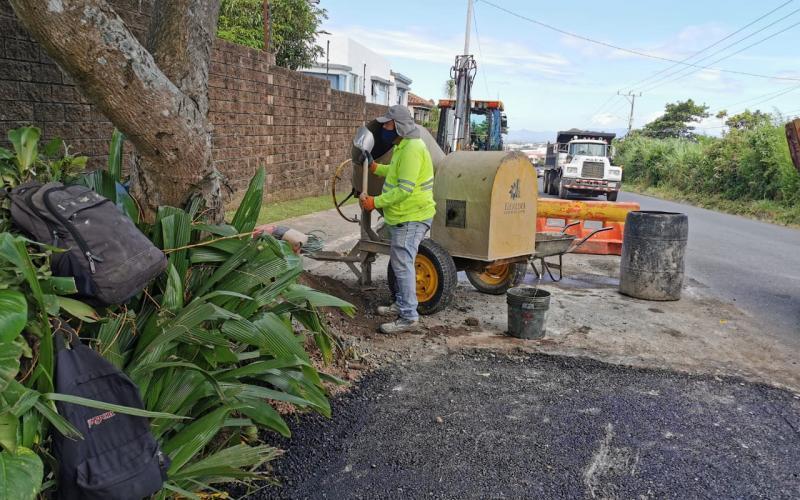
<point x="263" y="229"/>
<point x="367" y="156"/>
<point x="367" y="202"/>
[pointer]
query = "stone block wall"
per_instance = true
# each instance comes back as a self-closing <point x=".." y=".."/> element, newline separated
<point x="294" y="125"/>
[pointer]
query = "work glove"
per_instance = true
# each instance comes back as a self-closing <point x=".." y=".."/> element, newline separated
<point x="367" y="202"/>
<point x="366" y="155"/>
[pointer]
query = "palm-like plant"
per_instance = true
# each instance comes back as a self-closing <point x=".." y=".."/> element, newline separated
<point x="212" y="345"/>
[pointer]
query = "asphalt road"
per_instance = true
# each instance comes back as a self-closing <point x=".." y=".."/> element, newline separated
<point x="480" y="425"/>
<point x="755" y="265"/>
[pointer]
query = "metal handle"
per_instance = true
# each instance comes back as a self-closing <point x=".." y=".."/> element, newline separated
<point x="365" y="177"/>
<point x="581" y="242"/>
<point x="569" y="226"/>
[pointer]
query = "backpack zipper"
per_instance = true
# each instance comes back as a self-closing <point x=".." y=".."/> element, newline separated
<point x="87" y="252"/>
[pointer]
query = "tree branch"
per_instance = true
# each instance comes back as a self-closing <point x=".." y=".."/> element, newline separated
<point x="113" y="70"/>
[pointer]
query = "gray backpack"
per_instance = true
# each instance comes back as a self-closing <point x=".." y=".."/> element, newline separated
<point x="110" y="259"/>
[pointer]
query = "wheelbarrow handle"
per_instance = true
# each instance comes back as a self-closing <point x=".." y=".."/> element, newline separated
<point x="569" y="226"/>
<point x="581" y="242"/>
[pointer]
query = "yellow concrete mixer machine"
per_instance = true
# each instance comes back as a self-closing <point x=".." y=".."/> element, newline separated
<point x="485" y="221"/>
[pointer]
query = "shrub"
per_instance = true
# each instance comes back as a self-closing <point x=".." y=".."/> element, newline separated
<point x="213" y="345"/>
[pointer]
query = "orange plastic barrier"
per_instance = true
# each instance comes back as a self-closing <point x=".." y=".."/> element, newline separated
<point x="552" y="215"/>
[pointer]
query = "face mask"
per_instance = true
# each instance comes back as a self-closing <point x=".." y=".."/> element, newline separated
<point x="388" y="136"/>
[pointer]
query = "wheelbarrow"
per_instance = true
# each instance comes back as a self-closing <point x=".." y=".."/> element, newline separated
<point x="551" y="244"/>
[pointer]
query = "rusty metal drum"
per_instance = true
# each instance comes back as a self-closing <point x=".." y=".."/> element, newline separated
<point x="653" y="255"/>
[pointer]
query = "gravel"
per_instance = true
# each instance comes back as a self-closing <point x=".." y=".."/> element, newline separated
<point x="483" y="425"/>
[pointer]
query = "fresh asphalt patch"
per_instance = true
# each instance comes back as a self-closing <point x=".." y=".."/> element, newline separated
<point x="484" y="425"/>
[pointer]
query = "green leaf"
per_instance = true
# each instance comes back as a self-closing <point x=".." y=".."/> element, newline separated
<point x="9" y="362"/>
<point x="82" y="311"/>
<point x="187" y="443"/>
<point x="26" y="145"/>
<point x="8" y="431"/>
<point x="229" y="459"/>
<point x="115" y="155"/>
<point x="21" y="474"/>
<point x="300" y="295"/>
<point x="53" y="147"/>
<point x="59" y="285"/>
<point x="15" y="251"/>
<point x="173" y="293"/>
<point x="51" y="305"/>
<point x="61" y="424"/>
<point x="13" y="314"/>
<point x="264" y="414"/>
<point x="100" y="405"/>
<point x="18" y="399"/>
<point x="247" y="214"/>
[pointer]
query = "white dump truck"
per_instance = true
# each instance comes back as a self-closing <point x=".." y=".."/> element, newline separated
<point x="579" y="162"/>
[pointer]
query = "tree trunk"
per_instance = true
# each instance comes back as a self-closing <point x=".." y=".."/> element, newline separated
<point x="166" y="121"/>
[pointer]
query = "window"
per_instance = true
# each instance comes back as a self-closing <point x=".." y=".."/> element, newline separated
<point x="355" y="83"/>
<point x="401" y="93"/>
<point x="380" y="92"/>
<point x="587" y="149"/>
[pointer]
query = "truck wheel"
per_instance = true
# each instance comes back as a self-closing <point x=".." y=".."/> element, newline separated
<point x="612" y="196"/>
<point x="497" y="279"/>
<point x="562" y="191"/>
<point x="437" y="278"/>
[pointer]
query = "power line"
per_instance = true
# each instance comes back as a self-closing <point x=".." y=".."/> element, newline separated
<point x="713" y="44"/>
<point x="631" y="51"/>
<point x="596" y="111"/>
<point x="768" y="97"/>
<point x="700" y="68"/>
<point x="480" y="52"/>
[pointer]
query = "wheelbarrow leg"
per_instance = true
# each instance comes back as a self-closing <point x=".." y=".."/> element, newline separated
<point x="546" y="266"/>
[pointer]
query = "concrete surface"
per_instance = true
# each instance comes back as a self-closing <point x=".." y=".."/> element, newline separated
<point x="754" y="264"/>
<point x="480" y="425"/>
<point x="588" y="317"/>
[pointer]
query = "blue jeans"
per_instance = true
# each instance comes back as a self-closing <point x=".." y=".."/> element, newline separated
<point x="406" y="238"/>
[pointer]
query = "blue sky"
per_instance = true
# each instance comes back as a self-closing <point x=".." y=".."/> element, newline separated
<point x="551" y="81"/>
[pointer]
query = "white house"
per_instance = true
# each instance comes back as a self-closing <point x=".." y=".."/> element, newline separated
<point x="352" y="67"/>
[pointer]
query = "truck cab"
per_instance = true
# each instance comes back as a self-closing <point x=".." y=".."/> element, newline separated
<point x="580" y="162"/>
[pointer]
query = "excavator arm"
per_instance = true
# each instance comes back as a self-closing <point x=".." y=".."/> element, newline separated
<point x="793" y="136"/>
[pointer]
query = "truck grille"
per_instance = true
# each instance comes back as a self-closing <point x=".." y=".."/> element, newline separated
<point x="592" y="170"/>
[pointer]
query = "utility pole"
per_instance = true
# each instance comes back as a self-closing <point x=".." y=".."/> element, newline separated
<point x="463" y="72"/>
<point x="631" y="97"/>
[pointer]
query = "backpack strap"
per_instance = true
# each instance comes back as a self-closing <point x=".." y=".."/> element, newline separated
<point x="65" y="336"/>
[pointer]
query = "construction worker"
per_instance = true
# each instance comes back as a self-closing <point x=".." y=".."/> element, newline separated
<point x="408" y="209"/>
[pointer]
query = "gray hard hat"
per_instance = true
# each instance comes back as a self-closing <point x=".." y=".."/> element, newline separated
<point x="403" y="121"/>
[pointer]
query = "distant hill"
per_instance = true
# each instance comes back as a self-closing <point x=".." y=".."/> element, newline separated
<point x="524" y="136"/>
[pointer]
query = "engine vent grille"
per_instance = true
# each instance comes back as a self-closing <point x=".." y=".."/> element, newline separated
<point x="592" y="169"/>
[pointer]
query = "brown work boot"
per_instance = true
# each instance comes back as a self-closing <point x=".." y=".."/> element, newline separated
<point x="400" y="325"/>
<point x="392" y="310"/>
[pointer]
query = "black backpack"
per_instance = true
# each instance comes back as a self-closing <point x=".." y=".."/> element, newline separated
<point x="110" y="259"/>
<point x="118" y="458"/>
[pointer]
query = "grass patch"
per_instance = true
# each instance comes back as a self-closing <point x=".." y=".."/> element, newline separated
<point x="282" y="210"/>
<point x="763" y="210"/>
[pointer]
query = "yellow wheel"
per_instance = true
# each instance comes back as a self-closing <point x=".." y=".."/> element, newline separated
<point x="427" y="279"/>
<point x="496" y="279"/>
<point x="495" y="274"/>
<point x="436" y="277"/>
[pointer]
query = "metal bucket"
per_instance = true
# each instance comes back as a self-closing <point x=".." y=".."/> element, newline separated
<point x="527" y="312"/>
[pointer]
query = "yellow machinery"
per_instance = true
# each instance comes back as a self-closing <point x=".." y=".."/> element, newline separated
<point x="793" y="136"/>
<point x="485" y="222"/>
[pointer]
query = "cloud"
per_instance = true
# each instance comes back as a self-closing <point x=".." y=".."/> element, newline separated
<point x="606" y="119"/>
<point x="678" y="46"/>
<point x="421" y="46"/>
